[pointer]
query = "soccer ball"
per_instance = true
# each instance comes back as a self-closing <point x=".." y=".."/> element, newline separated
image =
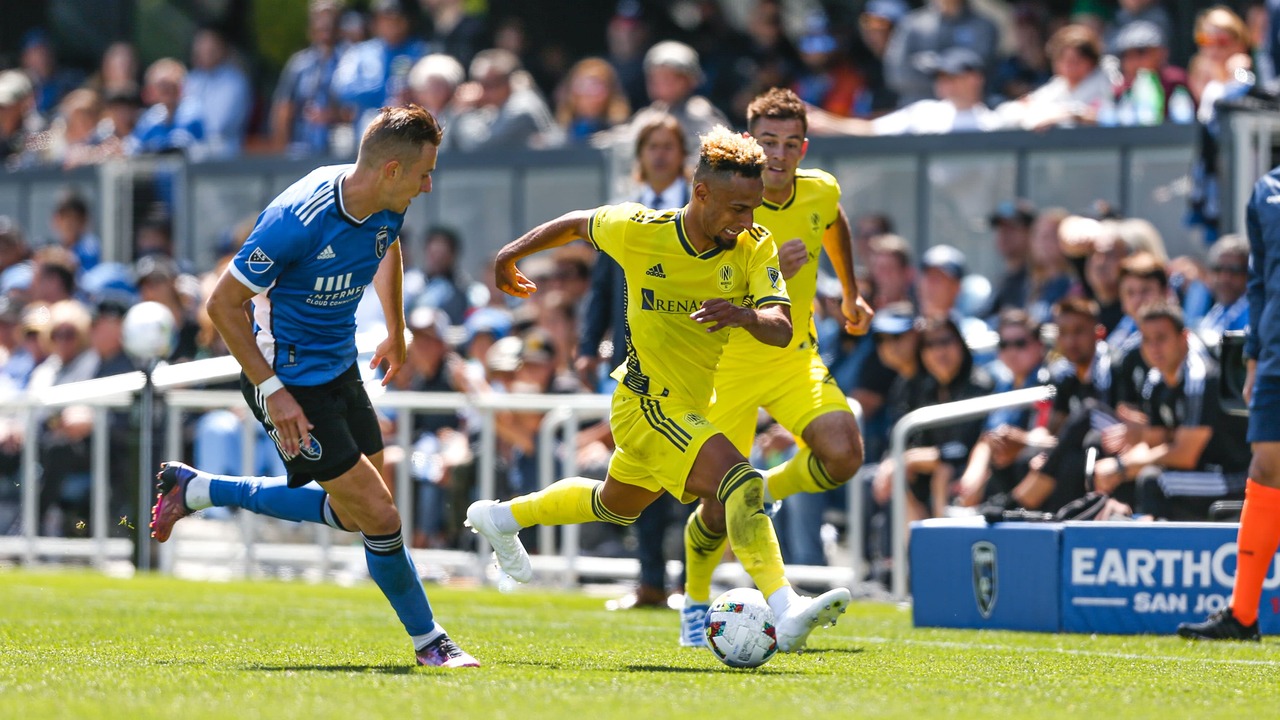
<point x="148" y="332"/>
<point x="740" y="629"/>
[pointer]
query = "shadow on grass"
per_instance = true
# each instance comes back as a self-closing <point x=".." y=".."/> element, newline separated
<point x="673" y="669"/>
<point x="380" y="669"/>
<point x="837" y="650"/>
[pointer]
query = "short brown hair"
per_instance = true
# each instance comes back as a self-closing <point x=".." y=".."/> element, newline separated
<point x="1163" y="310"/>
<point x="726" y="152"/>
<point x="1078" y="306"/>
<point x="1018" y="318"/>
<point x="1081" y="38"/>
<point x="1144" y="266"/>
<point x="398" y="133"/>
<point x="895" y="245"/>
<point x="654" y="123"/>
<point x="778" y="104"/>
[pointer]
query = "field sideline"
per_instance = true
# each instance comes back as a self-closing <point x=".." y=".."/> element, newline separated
<point x="83" y="645"/>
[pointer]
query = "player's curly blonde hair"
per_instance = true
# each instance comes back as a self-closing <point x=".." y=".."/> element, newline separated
<point x="726" y="152"/>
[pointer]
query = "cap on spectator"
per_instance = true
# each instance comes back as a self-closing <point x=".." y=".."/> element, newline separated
<point x="429" y="318"/>
<point x="1137" y="35"/>
<point x="952" y="61"/>
<point x="34" y="37"/>
<point x="1019" y="211"/>
<point x="891" y="10"/>
<point x="945" y="258"/>
<point x="16" y="277"/>
<point x="154" y="267"/>
<point x="488" y="320"/>
<point x="389" y="6"/>
<point x="108" y="279"/>
<point x="829" y="286"/>
<point x="674" y="55"/>
<point x="14" y="87"/>
<point x="112" y="307"/>
<point x="629" y="9"/>
<point x="537" y="347"/>
<point x="817" y="37"/>
<point x="893" y="319"/>
<point x="504" y="355"/>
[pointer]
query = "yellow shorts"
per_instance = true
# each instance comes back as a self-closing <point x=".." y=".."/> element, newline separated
<point x="656" y="442"/>
<point x="793" y="392"/>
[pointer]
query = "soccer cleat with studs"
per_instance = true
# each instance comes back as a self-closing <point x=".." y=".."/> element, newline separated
<point x="444" y="652"/>
<point x="513" y="559"/>
<point x="693" y="624"/>
<point x="171" y="504"/>
<point x="806" y="614"/>
<point x="1221" y="625"/>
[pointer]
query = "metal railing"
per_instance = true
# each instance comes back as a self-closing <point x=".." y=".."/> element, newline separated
<point x="933" y="416"/>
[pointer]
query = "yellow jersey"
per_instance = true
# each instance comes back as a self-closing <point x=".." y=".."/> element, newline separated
<point x="668" y="354"/>
<point x="813" y="206"/>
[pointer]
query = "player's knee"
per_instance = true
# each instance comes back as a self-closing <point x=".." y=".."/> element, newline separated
<point x="712" y="514"/>
<point x="381" y="519"/>
<point x="841" y="459"/>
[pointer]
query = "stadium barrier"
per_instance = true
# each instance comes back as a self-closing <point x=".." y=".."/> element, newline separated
<point x="561" y="560"/>
<point x="933" y="416"/>
<point x="1084" y="577"/>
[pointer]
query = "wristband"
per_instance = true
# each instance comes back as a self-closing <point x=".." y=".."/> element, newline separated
<point x="270" y="385"/>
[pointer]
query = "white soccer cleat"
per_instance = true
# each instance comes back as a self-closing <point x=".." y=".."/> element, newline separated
<point x="693" y="624"/>
<point x="507" y="548"/>
<point x="805" y="614"/>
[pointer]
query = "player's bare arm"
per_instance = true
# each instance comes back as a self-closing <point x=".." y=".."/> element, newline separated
<point x="838" y="242"/>
<point x="226" y="306"/>
<point x="770" y="324"/>
<point x="388" y="281"/>
<point x="553" y="233"/>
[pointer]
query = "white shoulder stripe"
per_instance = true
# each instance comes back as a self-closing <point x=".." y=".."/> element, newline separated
<point x="244" y="280"/>
<point x="317" y="196"/>
<point x="316" y="211"/>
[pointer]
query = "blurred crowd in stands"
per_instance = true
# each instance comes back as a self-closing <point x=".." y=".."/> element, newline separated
<point x="1091" y="304"/>
<point x="886" y="68"/>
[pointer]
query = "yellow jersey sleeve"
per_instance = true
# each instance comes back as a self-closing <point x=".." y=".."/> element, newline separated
<point x="764" y="279"/>
<point x="608" y="229"/>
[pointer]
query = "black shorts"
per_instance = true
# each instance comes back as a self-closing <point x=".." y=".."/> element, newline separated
<point x="346" y="426"/>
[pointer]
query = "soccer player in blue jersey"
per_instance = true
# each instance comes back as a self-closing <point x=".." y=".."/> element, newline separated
<point x="302" y="272"/>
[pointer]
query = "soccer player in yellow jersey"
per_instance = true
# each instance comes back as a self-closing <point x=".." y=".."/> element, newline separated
<point x="801" y="209"/>
<point x="692" y="274"/>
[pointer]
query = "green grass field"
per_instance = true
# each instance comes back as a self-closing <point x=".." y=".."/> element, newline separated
<point x="79" y="645"/>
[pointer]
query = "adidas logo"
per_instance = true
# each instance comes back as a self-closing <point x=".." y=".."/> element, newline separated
<point x="655" y="271"/>
<point x="327" y="253"/>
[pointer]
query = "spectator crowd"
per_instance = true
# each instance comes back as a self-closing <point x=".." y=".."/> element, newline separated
<point x="1091" y="304"/>
<point x="948" y="66"/>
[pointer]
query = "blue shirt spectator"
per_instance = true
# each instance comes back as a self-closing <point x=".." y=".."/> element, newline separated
<point x="374" y="73"/>
<point x="223" y="90"/>
<point x="304" y="104"/>
<point x="173" y="122"/>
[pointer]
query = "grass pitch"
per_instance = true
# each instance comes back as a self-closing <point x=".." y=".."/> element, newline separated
<point x="79" y="645"/>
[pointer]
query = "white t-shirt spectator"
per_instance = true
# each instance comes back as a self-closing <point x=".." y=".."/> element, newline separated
<point x="936" y="117"/>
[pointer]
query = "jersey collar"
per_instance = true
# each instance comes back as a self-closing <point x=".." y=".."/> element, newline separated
<point x="790" y="199"/>
<point x="342" y="207"/>
<point x="684" y="240"/>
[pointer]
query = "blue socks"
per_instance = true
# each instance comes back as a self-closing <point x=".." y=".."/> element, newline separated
<point x="393" y="571"/>
<point x="273" y="497"/>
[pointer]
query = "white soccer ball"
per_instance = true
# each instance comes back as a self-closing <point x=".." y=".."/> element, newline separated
<point x="149" y="332"/>
<point x="740" y="629"/>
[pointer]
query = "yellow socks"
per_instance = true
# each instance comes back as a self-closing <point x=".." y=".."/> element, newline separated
<point x="703" y="551"/>
<point x="566" y="502"/>
<point x="802" y="473"/>
<point x="750" y="530"/>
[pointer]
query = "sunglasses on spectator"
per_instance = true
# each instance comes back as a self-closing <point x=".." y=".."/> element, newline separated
<point x="1019" y="344"/>
<point x="1237" y="269"/>
<point x="1215" y="39"/>
<point x="63" y="334"/>
<point x="939" y="342"/>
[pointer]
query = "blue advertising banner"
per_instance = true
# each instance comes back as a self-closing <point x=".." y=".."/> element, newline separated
<point x="967" y="574"/>
<point x="1129" y="578"/>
